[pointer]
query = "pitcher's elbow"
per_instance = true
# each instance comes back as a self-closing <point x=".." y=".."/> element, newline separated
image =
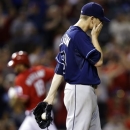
<point x="99" y="63"/>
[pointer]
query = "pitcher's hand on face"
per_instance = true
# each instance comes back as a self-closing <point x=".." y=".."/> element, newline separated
<point x="96" y="30"/>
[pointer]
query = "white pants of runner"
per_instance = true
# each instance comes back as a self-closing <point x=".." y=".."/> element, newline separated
<point x="30" y="123"/>
<point x="82" y="108"/>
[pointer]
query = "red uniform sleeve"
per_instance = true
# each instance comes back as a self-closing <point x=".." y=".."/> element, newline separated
<point x="49" y="74"/>
<point x="21" y="88"/>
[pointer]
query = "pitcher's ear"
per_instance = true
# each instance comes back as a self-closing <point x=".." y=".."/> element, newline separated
<point x="91" y="21"/>
<point x="92" y="18"/>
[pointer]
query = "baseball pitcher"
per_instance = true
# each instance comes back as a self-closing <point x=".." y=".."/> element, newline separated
<point x="77" y="63"/>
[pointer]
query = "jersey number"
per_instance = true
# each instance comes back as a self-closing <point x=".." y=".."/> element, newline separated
<point x="40" y="87"/>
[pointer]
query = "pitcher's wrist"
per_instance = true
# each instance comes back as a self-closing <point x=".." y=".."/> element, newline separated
<point x="94" y="35"/>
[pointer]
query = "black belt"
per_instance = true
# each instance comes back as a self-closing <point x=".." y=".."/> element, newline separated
<point x="94" y="86"/>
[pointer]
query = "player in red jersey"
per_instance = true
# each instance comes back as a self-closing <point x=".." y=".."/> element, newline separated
<point x="30" y="87"/>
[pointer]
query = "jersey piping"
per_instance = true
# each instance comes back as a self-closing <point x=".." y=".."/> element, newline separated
<point x="90" y="52"/>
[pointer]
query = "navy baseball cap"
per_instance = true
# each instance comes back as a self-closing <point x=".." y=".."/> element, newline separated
<point x="94" y="9"/>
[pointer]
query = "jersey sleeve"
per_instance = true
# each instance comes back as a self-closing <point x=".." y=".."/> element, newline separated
<point x="86" y="48"/>
<point x="59" y="66"/>
<point x="94" y="57"/>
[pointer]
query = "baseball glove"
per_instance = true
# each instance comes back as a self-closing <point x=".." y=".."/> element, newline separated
<point x="43" y="107"/>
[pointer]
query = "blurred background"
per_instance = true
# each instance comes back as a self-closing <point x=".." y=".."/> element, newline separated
<point x="36" y="26"/>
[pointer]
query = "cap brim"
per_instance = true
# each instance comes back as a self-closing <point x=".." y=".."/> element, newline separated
<point x="10" y="63"/>
<point x="105" y="19"/>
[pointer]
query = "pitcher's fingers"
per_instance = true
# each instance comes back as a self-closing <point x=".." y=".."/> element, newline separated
<point x="99" y="27"/>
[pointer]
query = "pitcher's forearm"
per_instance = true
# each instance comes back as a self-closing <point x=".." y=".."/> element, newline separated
<point x="97" y="46"/>
<point x="57" y="79"/>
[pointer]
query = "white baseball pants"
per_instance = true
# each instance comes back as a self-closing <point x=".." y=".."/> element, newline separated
<point x="82" y="108"/>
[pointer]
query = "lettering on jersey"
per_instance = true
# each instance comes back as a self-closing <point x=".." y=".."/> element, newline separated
<point x="65" y="39"/>
<point x="63" y="58"/>
<point x="34" y="76"/>
<point x="39" y="87"/>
